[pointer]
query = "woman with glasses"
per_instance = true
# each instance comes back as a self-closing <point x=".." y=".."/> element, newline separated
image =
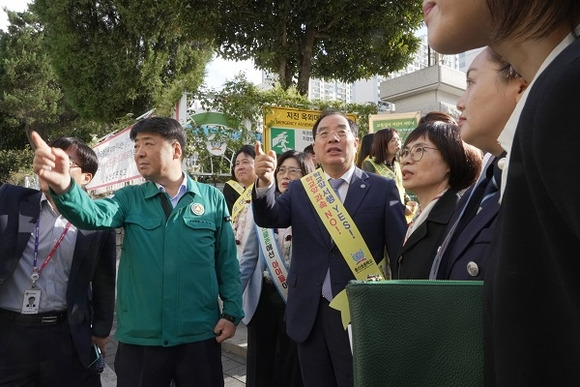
<point x="271" y="359"/>
<point x="436" y="165"/>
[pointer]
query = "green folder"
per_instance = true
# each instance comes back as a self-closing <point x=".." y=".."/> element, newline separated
<point x="417" y="333"/>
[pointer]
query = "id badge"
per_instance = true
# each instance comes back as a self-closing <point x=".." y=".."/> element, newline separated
<point x="31" y="301"/>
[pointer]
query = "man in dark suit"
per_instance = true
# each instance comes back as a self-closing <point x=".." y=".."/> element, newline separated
<point x="69" y="272"/>
<point x="374" y="205"/>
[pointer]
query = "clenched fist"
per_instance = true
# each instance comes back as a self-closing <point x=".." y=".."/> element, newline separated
<point x="264" y="166"/>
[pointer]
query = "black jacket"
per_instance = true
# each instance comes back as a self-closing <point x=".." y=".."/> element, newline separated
<point x="94" y="262"/>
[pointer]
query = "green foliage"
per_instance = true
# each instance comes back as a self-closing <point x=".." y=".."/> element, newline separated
<point x="15" y="165"/>
<point x="244" y="103"/>
<point x="339" y="39"/>
<point x="30" y="97"/>
<point x="127" y="56"/>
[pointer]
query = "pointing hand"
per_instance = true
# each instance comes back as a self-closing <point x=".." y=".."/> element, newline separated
<point x="51" y="164"/>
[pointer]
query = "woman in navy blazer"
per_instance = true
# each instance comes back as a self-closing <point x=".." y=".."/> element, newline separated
<point x="493" y="89"/>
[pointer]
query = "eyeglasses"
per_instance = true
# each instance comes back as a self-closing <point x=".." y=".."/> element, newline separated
<point x="291" y="171"/>
<point x="324" y="134"/>
<point x="72" y="164"/>
<point x="416" y="152"/>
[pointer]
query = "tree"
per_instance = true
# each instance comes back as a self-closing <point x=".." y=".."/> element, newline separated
<point x="31" y="98"/>
<point x="328" y="39"/>
<point x="114" y="57"/>
<point x="30" y="94"/>
<point x="244" y="103"/>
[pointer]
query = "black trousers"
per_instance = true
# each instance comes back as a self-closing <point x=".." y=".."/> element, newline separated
<point x="325" y="356"/>
<point x="191" y="365"/>
<point x="272" y="358"/>
<point x="35" y="355"/>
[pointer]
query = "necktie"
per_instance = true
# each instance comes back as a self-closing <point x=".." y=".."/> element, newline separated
<point x="326" y="285"/>
<point x="490" y="190"/>
<point x="336" y="183"/>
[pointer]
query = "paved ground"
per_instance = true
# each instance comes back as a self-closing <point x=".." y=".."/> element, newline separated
<point x="233" y="360"/>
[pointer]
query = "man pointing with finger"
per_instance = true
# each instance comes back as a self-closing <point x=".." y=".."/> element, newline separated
<point x="319" y="269"/>
<point x="178" y="256"/>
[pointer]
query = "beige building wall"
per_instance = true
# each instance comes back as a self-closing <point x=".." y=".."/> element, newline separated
<point x="432" y="88"/>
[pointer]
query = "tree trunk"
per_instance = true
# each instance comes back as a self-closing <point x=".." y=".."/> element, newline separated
<point x="305" y="62"/>
<point x="282" y="66"/>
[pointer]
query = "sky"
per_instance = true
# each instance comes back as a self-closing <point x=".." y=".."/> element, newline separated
<point x="218" y="71"/>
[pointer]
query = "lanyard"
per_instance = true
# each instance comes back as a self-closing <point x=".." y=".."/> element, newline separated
<point x="36" y="270"/>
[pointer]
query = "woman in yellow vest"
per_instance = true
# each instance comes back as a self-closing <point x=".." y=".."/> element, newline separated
<point x="383" y="160"/>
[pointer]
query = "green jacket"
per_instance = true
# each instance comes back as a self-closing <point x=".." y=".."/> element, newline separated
<point x="171" y="272"/>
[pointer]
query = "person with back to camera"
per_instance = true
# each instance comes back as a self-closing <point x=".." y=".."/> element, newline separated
<point x="272" y="359"/>
<point x="531" y="283"/>
<point x="319" y="270"/>
<point x="309" y="150"/>
<point x="493" y="89"/>
<point x="57" y="283"/>
<point x="436" y="164"/>
<point x="178" y="257"/>
<point x="364" y="149"/>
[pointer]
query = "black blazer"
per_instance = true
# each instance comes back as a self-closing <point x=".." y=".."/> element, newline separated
<point x="373" y="203"/>
<point x="466" y="255"/>
<point x="94" y="261"/>
<point x="532" y="284"/>
<point x="415" y="257"/>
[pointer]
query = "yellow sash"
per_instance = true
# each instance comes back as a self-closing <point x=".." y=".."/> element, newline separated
<point x="236" y="186"/>
<point x="344" y="232"/>
<point x="239" y="205"/>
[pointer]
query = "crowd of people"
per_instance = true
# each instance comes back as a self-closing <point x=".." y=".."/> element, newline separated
<point x="494" y="201"/>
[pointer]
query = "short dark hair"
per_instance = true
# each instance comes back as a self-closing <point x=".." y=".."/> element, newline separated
<point x="309" y="149"/>
<point x="246" y="149"/>
<point x="87" y="158"/>
<point x="532" y="19"/>
<point x="437" y="116"/>
<point x="464" y="164"/>
<point x="330" y="112"/>
<point x="380" y="144"/>
<point x="166" y="127"/>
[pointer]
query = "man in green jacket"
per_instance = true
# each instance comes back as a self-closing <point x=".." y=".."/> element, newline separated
<point x="178" y="256"/>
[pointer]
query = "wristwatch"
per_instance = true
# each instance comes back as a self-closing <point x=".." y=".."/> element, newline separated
<point x="229" y="318"/>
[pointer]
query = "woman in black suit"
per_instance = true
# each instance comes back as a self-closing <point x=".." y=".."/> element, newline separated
<point x="532" y="285"/>
<point x="436" y="165"/>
